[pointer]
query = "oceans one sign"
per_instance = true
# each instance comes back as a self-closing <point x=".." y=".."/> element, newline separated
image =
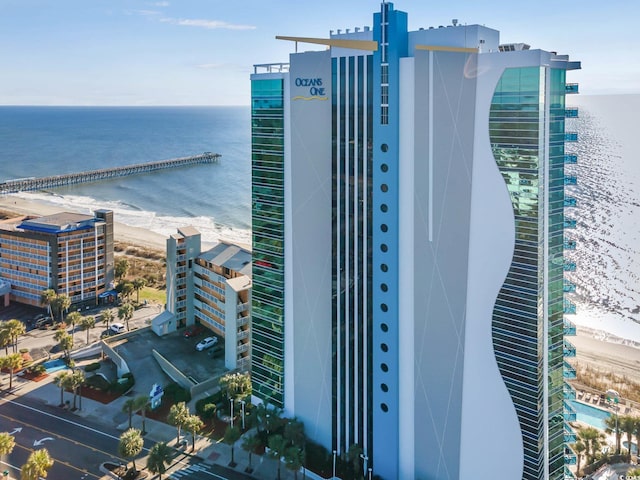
<point x="315" y="89"/>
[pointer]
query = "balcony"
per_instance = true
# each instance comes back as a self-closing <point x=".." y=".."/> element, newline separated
<point x="242" y="307"/>
<point x="570" y="180"/>
<point x="242" y="348"/>
<point x="569" y="244"/>
<point x="569" y="413"/>
<point x="570" y="202"/>
<point x="570" y="136"/>
<point x="568" y="307"/>
<point x="569" y="435"/>
<point x="568" y="287"/>
<point x="571" y="88"/>
<point x="568" y="392"/>
<point x="243" y="334"/>
<point x="568" y="350"/>
<point x="568" y="474"/>
<point x="570" y="223"/>
<point x="242" y="321"/>
<point x="570" y="159"/>
<point x="571" y="112"/>
<point x="569" y="329"/>
<point x="569" y="266"/>
<point x="569" y="373"/>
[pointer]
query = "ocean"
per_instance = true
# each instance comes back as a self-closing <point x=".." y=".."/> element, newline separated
<point x="38" y="141"/>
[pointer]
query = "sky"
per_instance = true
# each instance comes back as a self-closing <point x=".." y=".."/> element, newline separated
<point x="201" y="52"/>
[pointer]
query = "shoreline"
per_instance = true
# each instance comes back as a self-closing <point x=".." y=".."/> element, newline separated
<point x="598" y="347"/>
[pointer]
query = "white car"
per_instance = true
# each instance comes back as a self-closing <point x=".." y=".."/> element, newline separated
<point x="206" y="343"/>
<point x="117" y="328"/>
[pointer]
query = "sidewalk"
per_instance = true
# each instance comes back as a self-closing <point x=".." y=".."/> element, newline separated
<point x="208" y="451"/>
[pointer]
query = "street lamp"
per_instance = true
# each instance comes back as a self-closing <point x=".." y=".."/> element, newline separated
<point x="231" y="420"/>
<point x="613" y="398"/>
<point x="242" y="404"/>
<point x="365" y="459"/>
<point x="334" y="464"/>
<point x="370" y="473"/>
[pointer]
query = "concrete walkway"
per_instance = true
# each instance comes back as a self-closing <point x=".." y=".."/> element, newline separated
<point x="206" y="450"/>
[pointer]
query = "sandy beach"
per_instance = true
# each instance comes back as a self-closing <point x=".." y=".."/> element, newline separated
<point x="596" y="348"/>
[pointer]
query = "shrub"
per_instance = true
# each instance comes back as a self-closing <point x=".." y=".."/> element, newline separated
<point x="122" y="384"/>
<point x="92" y="367"/>
<point x="39" y="369"/>
<point x="24" y="350"/>
<point x="177" y="393"/>
<point x="215" y="399"/>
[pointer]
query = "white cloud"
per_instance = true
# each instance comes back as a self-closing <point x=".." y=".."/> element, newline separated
<point x="209" y="24"/>
<point x="160" y="4"/>
<point x="144" y="13"/>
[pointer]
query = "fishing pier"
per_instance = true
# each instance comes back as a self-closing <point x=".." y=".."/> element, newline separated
<point x="44" y="183"/>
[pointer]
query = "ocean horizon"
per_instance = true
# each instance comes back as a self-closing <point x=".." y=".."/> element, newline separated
<point x="216" y="199"/>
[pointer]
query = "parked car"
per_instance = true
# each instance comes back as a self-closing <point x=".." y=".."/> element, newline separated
<point x="193" y="331"/>
<point x="116" y="328"/>
<point x="43" y="322"/>
<point x="206" y="343"/>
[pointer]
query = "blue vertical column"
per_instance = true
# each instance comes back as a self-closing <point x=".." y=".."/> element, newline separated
<point x="390" y="31"/>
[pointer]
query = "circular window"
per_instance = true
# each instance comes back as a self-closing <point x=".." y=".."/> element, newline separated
<point x="384" y="387"/>
<point x="383" y="307"/>
<point x="384" y="207"/>
<point x="384" y="408"/>
<point x="384" y="347"/>
<point x="384" y="227"/>
<point x="384" y="327"/>
<point x="384" y="267"/>
<point x="384" y="367"/>
<point x="384" y="187"/>
<point x="384" y="167"/>
<point x="384" y="287"/>
<point x="384" y="147"/>
<point x="384" y="247"/>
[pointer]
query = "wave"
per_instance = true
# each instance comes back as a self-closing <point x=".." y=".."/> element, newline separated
<point x="131" y="215"/>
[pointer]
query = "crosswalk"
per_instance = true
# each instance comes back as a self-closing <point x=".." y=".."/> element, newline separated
<point x="185" y="472"/>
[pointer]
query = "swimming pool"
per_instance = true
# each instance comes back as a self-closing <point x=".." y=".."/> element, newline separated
<point x="55" y="365"/>
<point x="590" y="415"/>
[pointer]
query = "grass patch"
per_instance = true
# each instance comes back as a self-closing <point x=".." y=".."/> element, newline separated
<point x="152" y="295"/>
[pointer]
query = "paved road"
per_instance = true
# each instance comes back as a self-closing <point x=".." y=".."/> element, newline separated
<point x="77" y="448"/>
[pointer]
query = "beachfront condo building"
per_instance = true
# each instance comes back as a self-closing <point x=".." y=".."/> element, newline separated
<point x="408" y="210"/>
<point x="211" y="289"/>
<point x="71" y="253"/>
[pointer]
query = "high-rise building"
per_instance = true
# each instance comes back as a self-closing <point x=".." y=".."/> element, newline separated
<point x="408" y="249"/>
<point x="71" y="253"/>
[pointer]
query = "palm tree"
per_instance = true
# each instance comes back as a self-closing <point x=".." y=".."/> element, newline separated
<point x="14" y="328"/>
<point x="121" y="268"/>
<point x="142" y="405"/>
<point x="86" y="324"/>
<point x="60" y="304"/>
<point x="178" y="414"/>
<point x="107" y="317"/>
<point x="250" y="444"/>
<point x="277" y="447"/>
<point x="76" y="379"/>
<point x="129" y="407"/>
<point x="579" y="448"/>
<point x="237" y="385"/>
<point x="5" y="340"/>
<point x="46" y="298"/>
<point x="37" y="466"/>
<point x="60" y="381"/>
<point x="125" y="312"/>
<point x="12" y="362"/>
<point x="231" y="436"/>
<point x="130" y="445"/>
<point x="7" y="442"/>
<point x="592" y="438"/>
<point x="628" y="426"/>
<point x="193" y="424"/>
<point x="613" y="425"/>
<point x="139" y="284"/>
<point x="159" y="456"/>
<point x="64" y="340"/>
<point x="126" y="289"/>
<point x="74" y="318"/>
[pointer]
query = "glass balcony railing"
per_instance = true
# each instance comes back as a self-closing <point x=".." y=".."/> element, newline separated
<point x="568" y="287"/>
<point x="570" y="180"/>
<point x="571" y="136"/>
<point x="569" y="244"/>
<point x="569" y="412"/>
<point x="570" y="158"/>
<point x="568" y="350"/>
<point x="569" y="307"/>
<point x="569" y="223"/>
<point x="568" y="392"/>
<point x="569" y="435"/>
<point x="568" y="474"/>
<point x="569" y="266"/>
<point x="568" y="328"/>
<point x="569" y="373"/>
<point x="570" y="202"/>
<point x="571" y="88"/>
<point x="571" y="112"/>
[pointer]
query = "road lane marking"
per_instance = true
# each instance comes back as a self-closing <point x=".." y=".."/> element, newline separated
<point x="66" y="464"/>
